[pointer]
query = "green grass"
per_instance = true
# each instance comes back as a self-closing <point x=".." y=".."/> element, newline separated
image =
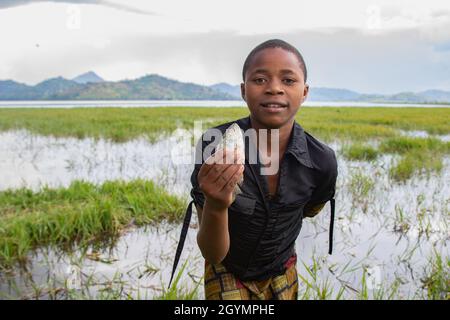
<point x="418" y="156"/>
<point x="118" y="289"/>
<point x="361" y="185"/>
<point x="81" y="214"/>
<point x="403" y="145"/>
<point x="415" y="163"/>
<point x="176" y="292"/>
<point x="117" y="124"/>
<point x="359" y="151"/>
<point x="122" y="124"/>
<point x="437" y="280"/>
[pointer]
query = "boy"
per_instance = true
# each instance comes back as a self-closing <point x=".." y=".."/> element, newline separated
<point x="248" y="240"/>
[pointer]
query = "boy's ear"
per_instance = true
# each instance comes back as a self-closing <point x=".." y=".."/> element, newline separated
<point x="243" y="91"/>
<point x="305" y="92"/>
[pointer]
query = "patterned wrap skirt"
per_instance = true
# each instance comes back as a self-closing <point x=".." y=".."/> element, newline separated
<point x="223" y="285"/>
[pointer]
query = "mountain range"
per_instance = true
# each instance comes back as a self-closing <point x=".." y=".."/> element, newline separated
<point x="90" y="86"/>
<point x="333" y="94"/>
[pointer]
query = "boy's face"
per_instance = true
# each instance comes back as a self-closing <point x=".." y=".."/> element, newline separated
<point x="274" y="87"/>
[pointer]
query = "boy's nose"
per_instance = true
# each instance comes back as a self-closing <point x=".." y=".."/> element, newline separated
<point x="274" y="87"/>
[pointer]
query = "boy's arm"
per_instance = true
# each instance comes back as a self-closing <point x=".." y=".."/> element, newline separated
<point x="199" y="213"/>
<point x="213" y="237"/>
<point x="311" y="211"/>
<point x="213" y="186"/>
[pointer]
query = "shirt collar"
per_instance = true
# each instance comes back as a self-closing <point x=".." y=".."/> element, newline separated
<point x="297" y="145"/>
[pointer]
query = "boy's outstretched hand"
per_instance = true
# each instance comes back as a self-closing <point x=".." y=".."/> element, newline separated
<point x="218" y="177"/>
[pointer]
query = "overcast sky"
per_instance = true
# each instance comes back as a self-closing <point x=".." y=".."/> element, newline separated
<point x="367" y="46"/>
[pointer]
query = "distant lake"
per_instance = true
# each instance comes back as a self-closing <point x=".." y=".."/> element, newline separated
<point x="190" y="103"/>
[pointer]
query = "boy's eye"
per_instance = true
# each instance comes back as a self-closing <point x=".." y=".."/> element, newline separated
<point x="259" y="80"/>
<point x="289" y="81"/>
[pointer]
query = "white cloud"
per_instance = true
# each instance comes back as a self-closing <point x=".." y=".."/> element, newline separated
<point x="120" y="6"/>
<point x="206" y="41"/>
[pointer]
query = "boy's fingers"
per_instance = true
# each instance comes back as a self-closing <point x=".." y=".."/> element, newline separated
<point x="204" y="169"/>
<point x="218" y="162"/>
<point x="215" y="171"/>
<point x="210" y="163"/>
<point x="224" y="177"/>
<point x="234" y="179"/>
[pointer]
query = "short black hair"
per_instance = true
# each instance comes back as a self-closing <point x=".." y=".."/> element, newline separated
<point x="274" y="43"/>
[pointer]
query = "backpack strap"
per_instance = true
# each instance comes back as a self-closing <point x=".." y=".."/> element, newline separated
<point x="330" y="241"/>
<point x="184" y="230"/>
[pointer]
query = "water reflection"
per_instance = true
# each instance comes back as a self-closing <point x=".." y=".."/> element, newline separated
<point x="28" y="160"/>
<point x="389" y="233"/>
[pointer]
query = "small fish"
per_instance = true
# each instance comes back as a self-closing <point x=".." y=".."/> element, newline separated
<point x="234" y="139"/>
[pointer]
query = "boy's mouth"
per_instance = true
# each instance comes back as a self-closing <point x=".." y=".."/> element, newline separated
<point x="274" y="106"/>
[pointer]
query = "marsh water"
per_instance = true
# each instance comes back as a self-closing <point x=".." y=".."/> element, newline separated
<point x="384" y="238"/>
